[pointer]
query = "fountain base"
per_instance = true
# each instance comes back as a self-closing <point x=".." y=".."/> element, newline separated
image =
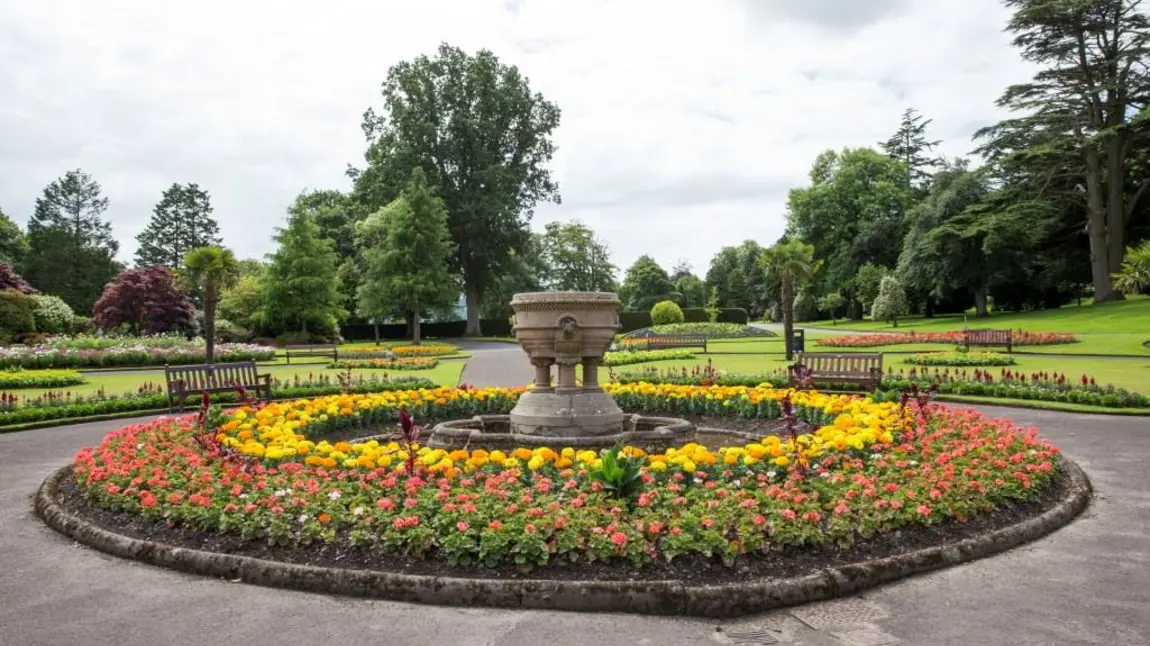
<point x="499" y="432"/>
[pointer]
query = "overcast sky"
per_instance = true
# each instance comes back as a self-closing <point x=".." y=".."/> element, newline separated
<point x="684" y="122"/>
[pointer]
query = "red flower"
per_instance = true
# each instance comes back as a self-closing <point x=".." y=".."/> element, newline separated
<point x="461" y="526"/>
<point x="619" y="538"/>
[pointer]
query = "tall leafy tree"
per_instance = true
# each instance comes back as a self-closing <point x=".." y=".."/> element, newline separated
<point x="483" y="138"/>
<point x="301" y="289"/>
<point x="71" y="248"/>
<point x="853" y="212"/>
<point x="1086" y="103"/>
<point x="891" y="301"/>
<point x="576" y="259"/>
<point x="526" y="272"/>
<point x="692" y="291"/>
<point x="645" y="284"/>
<point x="738" y="276"/>
<point x="181" y="221"/>
<point x="793" y="263"/>
<point x="336" y="214"/>
<point x="13" y="242"/>
<point x="406" y="249"/>
<point x="910" y="146"/>
<point x="210" y="270"/>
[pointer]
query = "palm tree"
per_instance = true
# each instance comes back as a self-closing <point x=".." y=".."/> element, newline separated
<point x="1135" y="274"/>
<point x="793" y="263"/>
<point x="209" y="270"/>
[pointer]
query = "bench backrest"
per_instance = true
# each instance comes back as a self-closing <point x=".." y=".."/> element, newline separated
<point x="988" y="336"/>
<point x="848" y="363"/>
<point x="220" y="375"/>
<point x="325" y="347"/>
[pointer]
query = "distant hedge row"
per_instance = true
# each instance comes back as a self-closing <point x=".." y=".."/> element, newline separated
<point x="639" y="320"/>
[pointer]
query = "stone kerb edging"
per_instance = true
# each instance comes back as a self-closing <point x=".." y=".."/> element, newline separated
<point x="647" y="597"/>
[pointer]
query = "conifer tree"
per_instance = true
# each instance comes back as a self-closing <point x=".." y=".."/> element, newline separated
<point x="71" y="248"/>
<point x="301" y="290"/>
<point x="910" y="145"/>
<point x="181" y="221"/>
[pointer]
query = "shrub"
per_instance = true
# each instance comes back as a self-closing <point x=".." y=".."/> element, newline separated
<point x="14" y="379"/>
<point x="16" y="313"/>
<point x="83" y="325"/>
<point x="401" y="363"/>
<point x="891" y="301"/>
<point x="960" y="359"/>
<point x="709" y="330"/>
<point x="144" y="301"/>
<point x="628" y="357"/>
<point x="9" y="279"/>
<point x="52" y="314"/>
<point x="666" y="313"/>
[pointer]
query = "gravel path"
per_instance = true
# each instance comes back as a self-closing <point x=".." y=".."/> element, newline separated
<point x="1085" y="584"/>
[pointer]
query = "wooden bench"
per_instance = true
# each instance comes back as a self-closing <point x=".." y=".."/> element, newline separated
<point x="988" y="338"/>
<point x="184" y="381"/>
<point x="664" y="341"/>
<point x="848" y="368"/>
<point x="313" y="350"/>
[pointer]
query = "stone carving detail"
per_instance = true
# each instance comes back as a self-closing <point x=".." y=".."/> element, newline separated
<point x="568" y="340"/>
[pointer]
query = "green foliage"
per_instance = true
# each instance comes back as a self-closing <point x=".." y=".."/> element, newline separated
<point x="910" y="146"/>
<point x="960" y="359"/>
<point x="71" y="248"/>
<point x="181" y="221"/>
<point x="52" y="314"/>
<point x="301" y="290"/>
<point x="712" y="307"/>
<point x="1135" y="274"/>
<point x="666" y="313"/>
<point x="619" y="471"/>
<point x="336" y="214"/>
<point x="832" y="303"/>
<point x="576" y="260"/>
<point x="890" y="302"/>
<point x="737" y="276"/>
<point x="628" y="357"/>
<point x="210" y="270"/>
<point x="406" y="246"/>
<point x="867" y="282"/>
<point x="483" y="137"/>
<point x="82" y="325"/>
<point x="13" y="242"/>
<point x="17" y="313"/>
<point x="240" y="303"/>
<point x="692" y="291"/>
<point x="645" y="284"/>
<point x="709" y="330"/>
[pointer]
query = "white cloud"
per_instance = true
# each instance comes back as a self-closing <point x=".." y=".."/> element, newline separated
<point x="684" y="122"/>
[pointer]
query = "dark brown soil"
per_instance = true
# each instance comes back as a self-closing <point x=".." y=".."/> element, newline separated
<point x="791" y="562"/>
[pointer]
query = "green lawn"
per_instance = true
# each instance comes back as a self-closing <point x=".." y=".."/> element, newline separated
<point x="1129" y="373"/>
<point x="1131" y="316"/>
<point x="446" y="373"/>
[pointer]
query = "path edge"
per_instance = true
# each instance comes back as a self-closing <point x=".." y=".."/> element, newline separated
<point x="641" y="597"/>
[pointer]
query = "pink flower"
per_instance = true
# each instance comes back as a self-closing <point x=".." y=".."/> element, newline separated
<point x="789" y="514"/>
<point x="923" y="510"/>
<point x="619" y="538"/>
<point x="529" y="528"/>
<point x="759" y="519"/>
<point x="495" y="524"/>
<point x="461" y="526"/>
<point x="386" y="504"/>
<point x="707" y="522"/>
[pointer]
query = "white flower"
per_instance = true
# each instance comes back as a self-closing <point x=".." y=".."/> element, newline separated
<point x="913" y="463"/>
<point x="770" y="474"/>
<point x="334" y="494"/>
<point x="358" y="511"/>
<point x="303" y="518"/>
<point x="280" y="493"/>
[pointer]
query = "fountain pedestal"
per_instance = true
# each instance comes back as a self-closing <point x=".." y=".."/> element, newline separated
<point x="566" y="329"/>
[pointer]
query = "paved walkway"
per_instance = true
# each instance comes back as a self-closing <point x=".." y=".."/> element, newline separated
<point x="1085" y="584"/>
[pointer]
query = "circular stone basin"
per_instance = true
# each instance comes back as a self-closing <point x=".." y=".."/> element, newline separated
<point x="494" y="432"/>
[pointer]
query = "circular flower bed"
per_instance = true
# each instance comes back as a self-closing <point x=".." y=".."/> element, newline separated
<point x="866" y="469"/>
<point x="960" y="359"/>
<point x="709" y="330"/>
<point x="398" y="351"/>
<point x="399" y="363"/>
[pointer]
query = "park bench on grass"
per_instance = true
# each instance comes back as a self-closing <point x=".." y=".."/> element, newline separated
<point x="988" y="338"/>
<point x="863" y="368"/>
<point x="313" y="350"/>
<point x="184" y="381"/>
<point x="664" y="341"/>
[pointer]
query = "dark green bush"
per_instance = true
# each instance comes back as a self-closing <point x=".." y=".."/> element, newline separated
<point x="16" y="313"/>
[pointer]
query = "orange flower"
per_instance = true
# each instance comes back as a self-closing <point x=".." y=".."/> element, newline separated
<point x="324" y="518"/>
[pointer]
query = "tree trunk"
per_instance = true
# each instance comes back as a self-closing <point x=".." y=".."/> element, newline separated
<point x="855" y="310"/>
<point x="210" y="329"/>
<point x="1115" y="206"/>
<point x="408" y="321"/>
<point x="928" y="309"/>
<point x="415" y="327"/>
<point x="471" y="295"/>
<point x="787" y="293"/>
<point x="980" y="302"/>
<point x="375" y="329"/>
<point x="1096" y="231"/>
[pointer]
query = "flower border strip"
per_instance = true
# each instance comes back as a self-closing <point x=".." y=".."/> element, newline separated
<point x="644" y="597"/>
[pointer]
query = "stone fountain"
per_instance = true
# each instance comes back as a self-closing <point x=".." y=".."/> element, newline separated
<point x="566" y="330"/>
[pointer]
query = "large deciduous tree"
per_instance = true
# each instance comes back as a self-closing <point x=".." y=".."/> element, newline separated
<point x="209" y="270"/>
<point x="301" y="288"/>
<point x="71" y="248"/>
<point x="793" y="264"/>
<point x="405" y="247"/>
<point x="181" y="221"/>
<point x="645" y="284"/>
<point x="738" y="276"/>
<point x="13" y="242"/>
<point x="576" y="259"/>
<point x="1084" y="112"/>
<point x="146" y="301"/>
<point x="483" y="138"/>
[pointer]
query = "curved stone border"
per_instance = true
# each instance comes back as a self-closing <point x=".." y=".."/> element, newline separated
<point x="647" y="597"/>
